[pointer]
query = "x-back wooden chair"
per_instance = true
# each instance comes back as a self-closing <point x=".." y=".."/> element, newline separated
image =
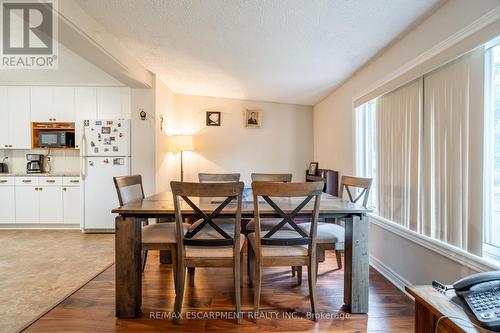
<point x="331" y="235"/>
<point x="285" y="247"/>
<point x="200" y="247"/>
<point x="158" y="236"/>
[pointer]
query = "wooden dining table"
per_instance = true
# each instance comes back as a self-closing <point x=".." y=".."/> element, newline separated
<point x="128" y="279"/>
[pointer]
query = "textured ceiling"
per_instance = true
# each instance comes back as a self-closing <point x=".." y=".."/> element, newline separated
<point x="290" y="51"/>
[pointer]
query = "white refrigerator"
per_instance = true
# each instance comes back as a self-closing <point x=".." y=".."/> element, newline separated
<point x="105" y="154"/>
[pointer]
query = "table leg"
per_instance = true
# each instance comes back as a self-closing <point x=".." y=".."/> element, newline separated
<point x="356" y="267"/>
<point x="165" y="255"/>
<point x="128" y="281"/>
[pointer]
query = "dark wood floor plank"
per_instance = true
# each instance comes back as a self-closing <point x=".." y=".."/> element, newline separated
<point x="92" y="309"/>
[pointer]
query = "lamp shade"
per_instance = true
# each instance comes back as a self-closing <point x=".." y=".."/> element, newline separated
<point x="180" y="143"/>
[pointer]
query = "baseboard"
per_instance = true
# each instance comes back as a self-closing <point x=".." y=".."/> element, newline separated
<point x="396" y="279"/>
<point x="38" y="226"/>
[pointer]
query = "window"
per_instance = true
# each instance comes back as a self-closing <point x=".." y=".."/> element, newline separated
<point x="492" y="152"/>
<point x="423" y="144"/>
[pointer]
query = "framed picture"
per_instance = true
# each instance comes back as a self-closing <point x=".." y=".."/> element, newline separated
<point x="253" y="118"/>
<point x="213" y="118"/>
<point x="313" y="168"/>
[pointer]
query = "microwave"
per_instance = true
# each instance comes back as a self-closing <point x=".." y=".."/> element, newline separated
<point x="56" y="139"/>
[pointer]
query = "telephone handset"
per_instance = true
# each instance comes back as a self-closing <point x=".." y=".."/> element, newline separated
<point x="481" y="292"/>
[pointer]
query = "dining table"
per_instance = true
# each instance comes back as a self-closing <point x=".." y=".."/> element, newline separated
<point x="128" y="224"/>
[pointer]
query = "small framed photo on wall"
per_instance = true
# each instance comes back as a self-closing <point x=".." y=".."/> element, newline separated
<point x="313" y="168"/>
<point x="253" y="118"/>
<point x="213" y="118"/>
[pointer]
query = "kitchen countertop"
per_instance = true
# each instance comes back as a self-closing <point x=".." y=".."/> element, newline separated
<point x="24" y="174"/>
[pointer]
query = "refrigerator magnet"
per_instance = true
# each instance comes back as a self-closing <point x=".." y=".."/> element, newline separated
<point x="98" y="123"/>
<point x="106" y="150"/>
<point x="86" y="123"/>
<point x="105" y="130"/>
<point x="118" y="161"/>
<point x="96" y="150"/>
<point x="109" y="122"/>
<point x="115" y="148"/>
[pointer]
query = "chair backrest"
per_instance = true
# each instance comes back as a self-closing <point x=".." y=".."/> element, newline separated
<point x="128" y="188"/>
<point x="218" y="177"/>
<point x="266" y="190"/>
<point x="349" y="182"/>
<point x="272" y="177"/>
<point x="187" y="191"/>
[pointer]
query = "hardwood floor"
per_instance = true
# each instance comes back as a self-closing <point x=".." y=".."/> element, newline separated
<point x="91" y="309"/>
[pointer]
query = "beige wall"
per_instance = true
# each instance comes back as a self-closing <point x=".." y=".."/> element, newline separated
<point x="334" y="136"/>
<point x="282" y="144"/>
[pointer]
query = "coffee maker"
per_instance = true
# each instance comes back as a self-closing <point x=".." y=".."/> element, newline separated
<point x="35" y="163"/>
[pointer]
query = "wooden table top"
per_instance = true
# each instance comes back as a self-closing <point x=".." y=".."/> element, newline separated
<point x="447" y="304"/>
<point x="162" y="203"/>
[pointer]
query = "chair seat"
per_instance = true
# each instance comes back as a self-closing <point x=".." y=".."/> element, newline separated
<point x="226" y="224"/>
<point x="281" y="251"/>
<point x="327" y="232"/>
<point x="212" y="251"/>
<point x="267" y="224"/>
<point x="160" y="233"/>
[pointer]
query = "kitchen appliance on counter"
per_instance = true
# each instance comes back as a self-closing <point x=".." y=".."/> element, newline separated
<point x="4" y="168"/>
<point x="35" y="163"/>
<point x="105" y="154"/>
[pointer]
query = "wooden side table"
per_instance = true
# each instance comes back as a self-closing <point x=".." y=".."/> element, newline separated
<point x="430" y="305"/>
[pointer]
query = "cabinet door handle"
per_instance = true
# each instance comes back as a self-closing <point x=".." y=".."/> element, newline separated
<point x="36" y="188"/>
<point x="41" y="188"/>
<point x="74" y="181"/>
<point x="3" y="181"/>
<point x="64" y="188"/>
<point x="26" y="181"/>
<point x="50" y="181"/>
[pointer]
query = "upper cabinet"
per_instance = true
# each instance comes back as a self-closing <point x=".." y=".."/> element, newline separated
<point x="85" y="108"/>
<point x="15" y="131"/>
<point x="113" y="102"/>
<point x="52" y="104"/>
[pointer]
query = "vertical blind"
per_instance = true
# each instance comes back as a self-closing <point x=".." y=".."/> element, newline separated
<point x="452" y="161"/>
<point x="429" y="153"/>
<point x="398" y="142"/>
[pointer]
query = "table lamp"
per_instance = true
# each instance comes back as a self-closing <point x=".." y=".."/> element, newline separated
<point x="181" y="143"/>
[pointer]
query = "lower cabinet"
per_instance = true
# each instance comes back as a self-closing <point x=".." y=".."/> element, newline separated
<point x="27" y="204"/>
<point x="51" y="204"/>
<point x="71" y="202"/>
<point x="8" y="202"/>
<point x="31" y="201"/>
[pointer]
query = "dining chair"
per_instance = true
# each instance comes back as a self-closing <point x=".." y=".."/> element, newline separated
<point x="157" y="236"/>
<point x="268" y="223"/>
<point x="281" y="247"/>
<point x="208" y="245"/>
<point x="331" y="235"/>
<point x="226" y="224"/>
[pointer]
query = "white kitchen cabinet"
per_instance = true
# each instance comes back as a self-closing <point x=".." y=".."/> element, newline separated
<point x="85" y="108"/>
<point x="42" y="102"/>
<point x="4" y="118"/>
<point x="109" y="102"/>
<point x="64" y="104"/>
<point x="27" y="204"/>
<point x="51" y="204"/>
<point x="52" y="104"/>
<point x="19" y="117"/>
<point x="7" y="198"/>
<point x="71" y="202"/>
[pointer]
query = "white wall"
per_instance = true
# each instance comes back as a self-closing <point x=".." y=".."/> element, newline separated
<point x="334" y="136"/>
<point x="143" y="137"/>
<point x="164" y="115"/>
<point x="282" y="144"/>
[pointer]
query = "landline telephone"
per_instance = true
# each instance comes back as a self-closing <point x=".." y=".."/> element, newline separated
<point x="481" y="292"/>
